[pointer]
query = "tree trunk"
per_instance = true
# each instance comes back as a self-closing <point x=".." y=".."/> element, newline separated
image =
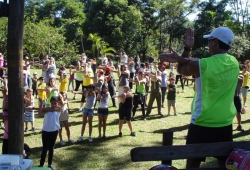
<point x="15" y="75"/>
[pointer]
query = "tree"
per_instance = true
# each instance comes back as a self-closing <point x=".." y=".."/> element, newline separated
<point x="3" y="35"/>
<point x="115" y="21"/>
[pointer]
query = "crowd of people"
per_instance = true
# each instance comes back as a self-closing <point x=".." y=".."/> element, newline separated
<point x="138" y="84"/>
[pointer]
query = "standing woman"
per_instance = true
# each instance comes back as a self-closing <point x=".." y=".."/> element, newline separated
<point x="78" y="77"/>
<point x="164" y="79"/>
<point x="50" y="70"/>
<point x="88" y="111"/>
<point x="51" y="125"/>
<point x="125" y="110"/>
<point x="131" y="68"/>
<point x="123" y="74"/>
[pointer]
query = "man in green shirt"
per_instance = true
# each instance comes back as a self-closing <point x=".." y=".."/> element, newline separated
<point x="216" y="78"/>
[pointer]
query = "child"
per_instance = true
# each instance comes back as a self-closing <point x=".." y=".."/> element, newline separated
<point x="71" y="79"/>
<point x="34" y="84"/>
<point x="172" y="96"/>
<point x="88" y="111"/>
<point x="63" y="82"/>
<point x="29" y="114"/>
<point x="64" y="117"/>
<point x="41" y="92"/>
<point x="103" y="97"/>
<point x="51" y="125"/>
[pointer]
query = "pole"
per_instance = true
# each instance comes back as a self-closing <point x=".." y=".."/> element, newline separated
<point x="167" y="141"/>
<point x="15" y="75"/>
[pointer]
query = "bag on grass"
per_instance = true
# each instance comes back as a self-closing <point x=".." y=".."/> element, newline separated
<point x="239" y="159"/>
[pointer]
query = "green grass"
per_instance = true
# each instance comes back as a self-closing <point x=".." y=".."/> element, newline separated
<point x="114" y="152"/>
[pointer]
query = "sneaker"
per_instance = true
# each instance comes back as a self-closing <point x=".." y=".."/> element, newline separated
<point x="26" y="129"/>
<point x="80" y="109"/>
<point x="51" y="167"/>
<point x="90" y="139"/>
<point x="132" y="134"/>
<point x="245" y="105"/>
<point x="115" y="106"/>
<point x="144" y="118"/>
<point x="71" y="141"/>
<point x="168" y="114"/>
<point x="62" y="142"/>
<point x="162" y="106"/>
<point x="74" y="98"/>
<point x="183" y="91"/>
<point x="132" y="118"/>
<point x="160" y="114"/>
<point x="69" y="110"/>
<point x="33" y="129"/>
<point x="40" y="166"/>
<point x="239" y="128"/>
<point x="120" y="134"/>
<point x="80" y="139"/>
<point x="175" y="114"/>
<point x="104" y="137"/>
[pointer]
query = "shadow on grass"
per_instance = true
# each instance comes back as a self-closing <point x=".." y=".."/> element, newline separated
<point x="174" y="129"/>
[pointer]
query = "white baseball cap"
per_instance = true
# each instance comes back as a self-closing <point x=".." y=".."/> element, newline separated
<point x="223" y="34"/>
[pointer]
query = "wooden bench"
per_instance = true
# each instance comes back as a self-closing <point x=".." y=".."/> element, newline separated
<point x="168" y="153"/>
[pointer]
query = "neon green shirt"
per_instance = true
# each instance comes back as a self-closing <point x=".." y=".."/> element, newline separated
<point x="213" y="104"/>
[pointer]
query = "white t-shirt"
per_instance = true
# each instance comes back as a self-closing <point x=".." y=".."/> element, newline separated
<point x="124" y="59"/>
<point x="104" y="102"/>
<point x="104" y="61"/>
<point x="51" y="121"/>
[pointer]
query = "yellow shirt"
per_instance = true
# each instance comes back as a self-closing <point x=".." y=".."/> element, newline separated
<point x="245" y="79"/>
<point x="88" y="81"/>
<point x="63" y="85"/>
<point x="42" y="94"/>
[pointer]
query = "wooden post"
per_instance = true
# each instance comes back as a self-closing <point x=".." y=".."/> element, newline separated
<point x="167" y="141"/>
<point x="15" y="75"/>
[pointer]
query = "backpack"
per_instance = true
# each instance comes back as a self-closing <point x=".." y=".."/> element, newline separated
<point x="239" y="159"/>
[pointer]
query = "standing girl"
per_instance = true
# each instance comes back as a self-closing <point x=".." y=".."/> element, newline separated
<point x="88" y="111"/>
<point x="103" y="97"/>
<point x="64" y="117"/>
<point x="52" y="90"/>
<point x="29" y="114"/>
<point x="51" y="125"/>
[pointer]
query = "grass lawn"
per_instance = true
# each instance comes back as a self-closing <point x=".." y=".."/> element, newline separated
<point x="114" y="152"/>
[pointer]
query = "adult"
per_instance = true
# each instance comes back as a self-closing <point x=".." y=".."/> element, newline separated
<point x="216" y="78"/>
<point x="83" y="58"/>
<point x="245" y="85"/>
<point x="124" y="58"/>
<point x="123" y="74"/>
<point x="155" y="93"/>
<point x="50" y="69"/>
<point x="131" y="68"/>
<point x="104" y="60"/>
<point x="151" y="59"/>
<point x="237" y="102"/>
<point x="164" y="80"/>
<point x="26" y="66"/>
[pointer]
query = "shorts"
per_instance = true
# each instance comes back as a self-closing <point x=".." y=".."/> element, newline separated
<point x="29" y="116"/>
<point x="237" y="103"/>
<point x="125" y="113"/>
<point x="64" y="121"/>
<point x="103" y="111"/>
<point x="244" y="91"/>
<point x="200" y="134"/>
<point x="171" y="103"/>
<point x="88" y="112"/>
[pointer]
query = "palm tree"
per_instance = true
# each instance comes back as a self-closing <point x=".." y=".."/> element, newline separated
<point x="79" y="33"/>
